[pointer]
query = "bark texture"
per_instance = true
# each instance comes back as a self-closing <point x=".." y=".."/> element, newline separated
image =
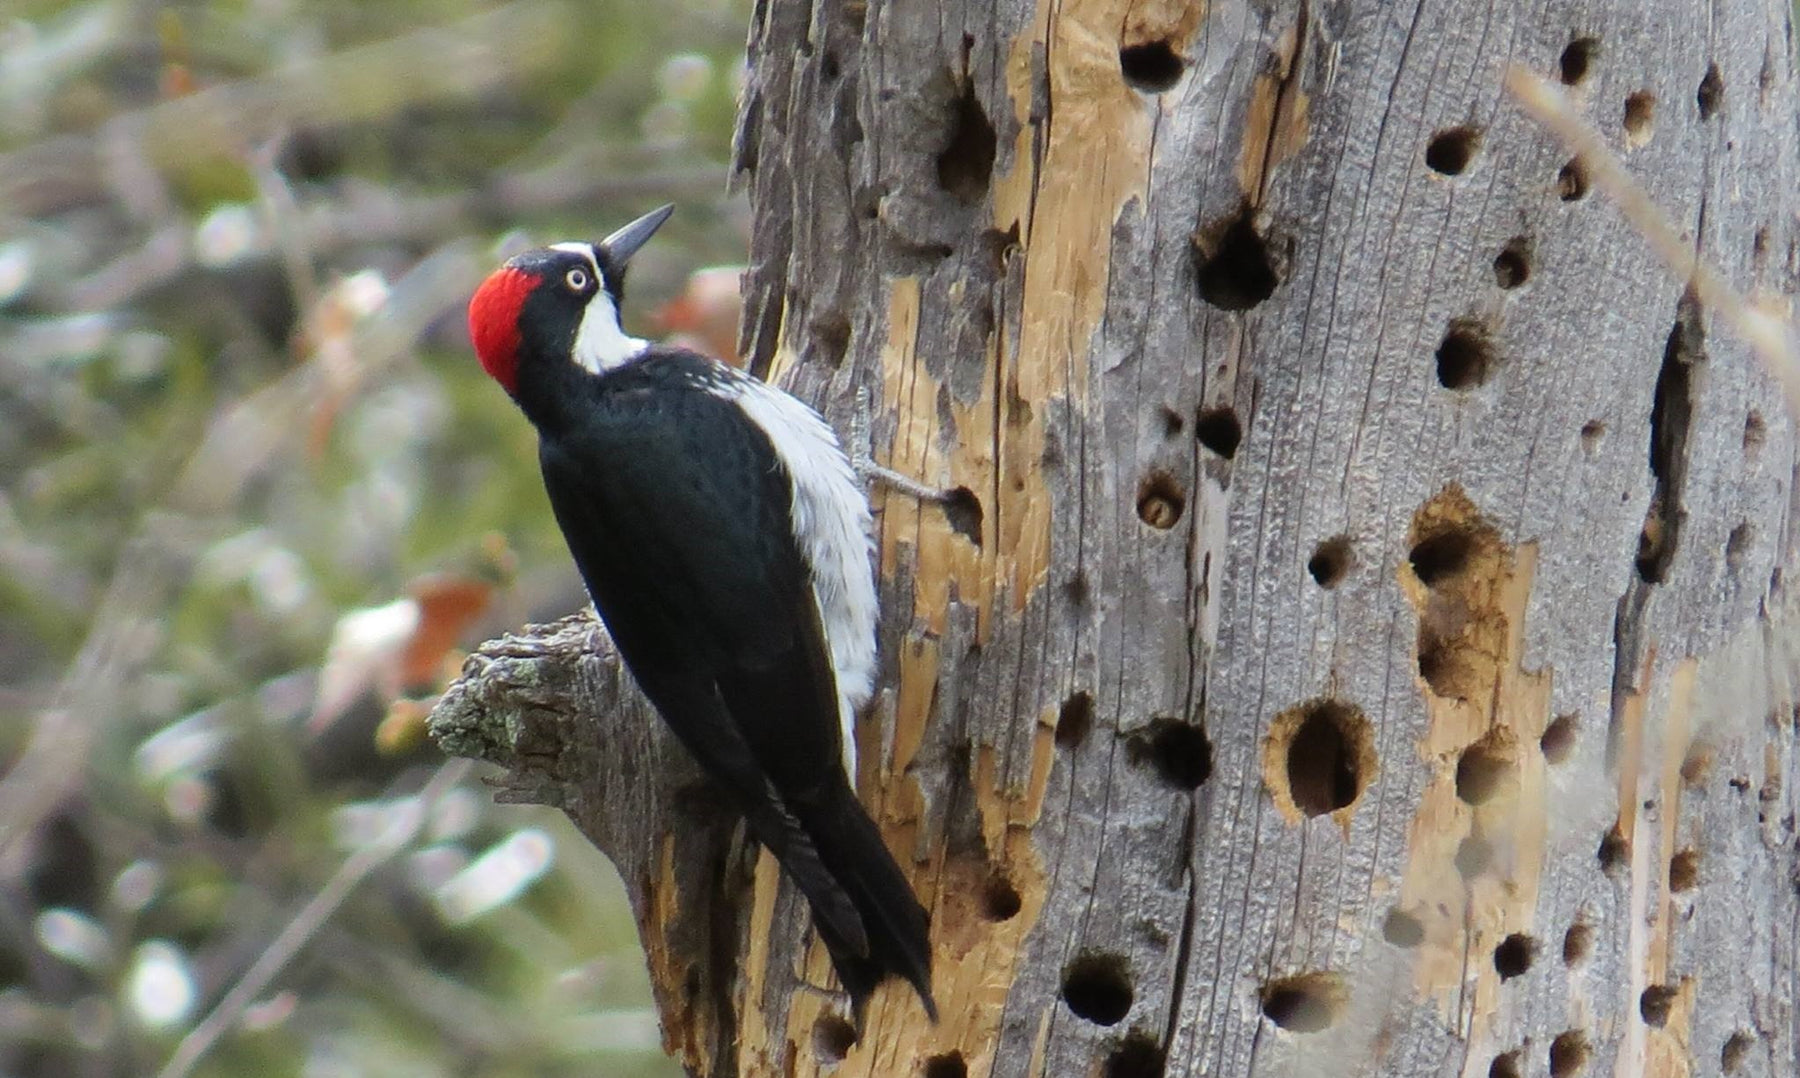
<point x="1374" y="658"/>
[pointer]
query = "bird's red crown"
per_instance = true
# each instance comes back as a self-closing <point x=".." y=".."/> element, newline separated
<point x="494" y="322"/>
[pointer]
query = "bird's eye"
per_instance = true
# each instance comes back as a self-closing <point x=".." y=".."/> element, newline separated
<point x="577" y="280"/>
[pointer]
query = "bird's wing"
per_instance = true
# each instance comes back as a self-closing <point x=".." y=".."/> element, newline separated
<point x="675" y="508"/>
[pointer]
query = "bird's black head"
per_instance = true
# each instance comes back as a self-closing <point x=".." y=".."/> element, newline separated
<point x="558" y="304"/>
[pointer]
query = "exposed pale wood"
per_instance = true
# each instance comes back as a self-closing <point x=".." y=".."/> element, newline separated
<point x="1038" y="334"/>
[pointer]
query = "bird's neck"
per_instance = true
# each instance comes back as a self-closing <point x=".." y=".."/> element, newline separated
<point x="551" y="391"/>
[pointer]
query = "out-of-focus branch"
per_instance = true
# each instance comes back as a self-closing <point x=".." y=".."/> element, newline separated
<point x="238" y="445"/>
<point x="553" y="706"/>
<point x="369" y="214"/>
<point x="368" y="82"/>
<point x="122" y="638"/>
<point x="308" y="921"/>
<point x="1767" y="332"/>
<point x="246" y="436"/>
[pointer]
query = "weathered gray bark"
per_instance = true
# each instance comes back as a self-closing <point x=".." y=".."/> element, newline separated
<point x="1376" y="658"/>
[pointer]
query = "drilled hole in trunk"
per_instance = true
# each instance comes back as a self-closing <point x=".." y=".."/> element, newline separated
<point x="1512" y="266"/>
<point x="1150" y="67"/>
<point x="948" y="1065"/>
<point x="1218" y="429"/>
<point x="1160" y="501"/>
<point x="1137" y="1056"/>
<point x="1572" y="181"/>
<point x="1514" y="955"/>
<point x="1234" y="266"/>
<point x="1711" y="93"/>
<point x="1331" y="561"/>
<point x="1097" y="987"/>
<point x="1465" y="358"/>
<point x="1577" y="58"/>
<point x="1319" y="757"/>
<point x="1074" y="720"/>
<point x="1568" y="1053"/>
<point x="1450" y="151"/>
<point x="833" y="1038"/>
<point x="1305" y="1002"/>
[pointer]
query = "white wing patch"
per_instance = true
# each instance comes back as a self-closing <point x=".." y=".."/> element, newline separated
<point x="601" y="343"/>
<point x="832" y="525"/>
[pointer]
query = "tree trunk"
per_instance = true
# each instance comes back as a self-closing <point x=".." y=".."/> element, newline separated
<point x="1374" y="659"/>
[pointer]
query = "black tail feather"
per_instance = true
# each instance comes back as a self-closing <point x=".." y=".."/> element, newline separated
<point x="852" y="850"/>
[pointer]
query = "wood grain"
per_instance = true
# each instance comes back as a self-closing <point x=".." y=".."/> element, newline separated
<point x="1537" y="646"/>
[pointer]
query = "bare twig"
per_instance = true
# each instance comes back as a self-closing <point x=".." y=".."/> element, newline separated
<point x="371" y="81"/>
<point x="372" y="215"/>
<point x="121" y="639"/>
<point x="312" y="916"/>
<point x="1767" y="331"/>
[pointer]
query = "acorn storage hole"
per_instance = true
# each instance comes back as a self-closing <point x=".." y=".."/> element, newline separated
<point x="1684" y="870"/>
<point x="1639" y="117"/>
<point x="1711" y="93"/>
<point x="1568" y="1053"/>
<point x="1512" y="266"/>
<point x="1442" y="555"/>
<point x="1402" y="929"/>
<point x="1572" y="181"/>
<point x="1137" y="1056"/>
<point x="1319" y="757"/>
<point x="1234" y="267"/>
<point x="1465" y="357"/>
<point x="1180" y="752"/>
<point x="1696" y="766"/>
<point x="962" y="511"/>
<point x="833" y="1037"/>
<point x="1578" y="943"/>
<point x="1097" y="987"/>
<point x="1514" y="955"/>
<point x="1593" y="432"/>
<point x="999" y="899"/>
<point x="966" y="164"/>
<point x="1172" y="423"/>
<point x="1451" y="150"/>
<point x="831" y="338"/>
<point x="1484" y="771"/>
<point x="1304" y="1002"/>
<point x="1218" y="429"/>
<point x="1473" y="856"/>
<point x="1558" y="740"/>
<point x="1613" y="851"/>
<point x="1737" y="546"/>
<point x="1756" y="432"/>
<point x="1160" y="500"/>
<point x="948" y="1065"/>
<point x="1655" y="1003"/>
<point x="1074" y="720"/>
<point x="1734" y="1051"/>
<point x="1150" y="67"/>
<point x="1507" y="1065"/>
<point x="1577" y="58"/>
<point x="1331" y="561"/>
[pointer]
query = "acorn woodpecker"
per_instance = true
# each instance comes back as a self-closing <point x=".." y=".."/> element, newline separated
<point x="724" y="539"/>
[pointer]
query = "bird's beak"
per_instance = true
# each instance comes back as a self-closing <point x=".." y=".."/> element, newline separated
<point x="625" y="242"/>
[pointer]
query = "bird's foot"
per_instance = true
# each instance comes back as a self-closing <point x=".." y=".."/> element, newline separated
<point x="961" y="508"/>
<point x="862" y="459"/>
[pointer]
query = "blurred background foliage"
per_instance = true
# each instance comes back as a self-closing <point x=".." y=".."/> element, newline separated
<point x="258" y="497"/>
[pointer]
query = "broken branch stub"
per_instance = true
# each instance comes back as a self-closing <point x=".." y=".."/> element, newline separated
<point x="554" y="708"/>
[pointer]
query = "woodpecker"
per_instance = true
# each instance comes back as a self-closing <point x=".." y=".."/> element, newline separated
<point x="725" y="542"/>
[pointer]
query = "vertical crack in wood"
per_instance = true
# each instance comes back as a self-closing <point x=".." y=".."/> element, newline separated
<point x="1276" y="124"/>
<point x="1673" y="402"/>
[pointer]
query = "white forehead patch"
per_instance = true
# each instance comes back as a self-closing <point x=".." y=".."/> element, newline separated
<point x="585" y="250"/>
